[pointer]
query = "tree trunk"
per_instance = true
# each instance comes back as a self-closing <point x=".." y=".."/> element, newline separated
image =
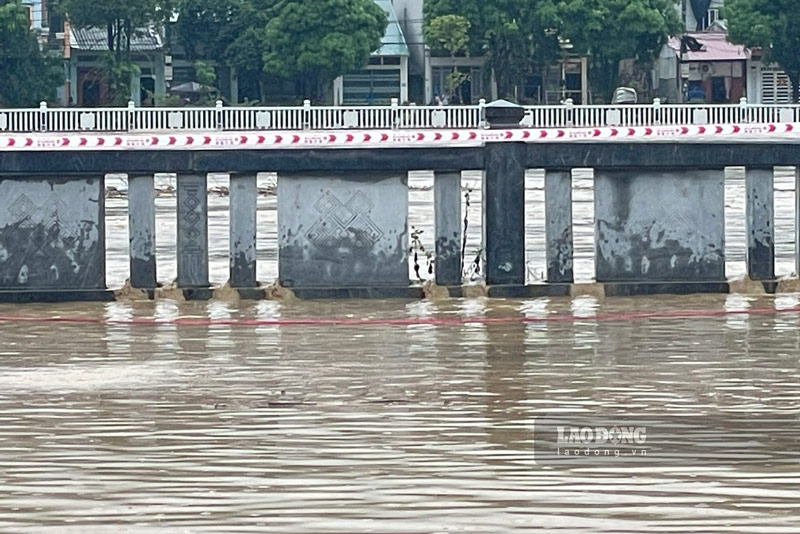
<point x="262" y="91"/>
<point x="603" y="77"/>
<point x="110" y="36"/>
<point x="119" y="40"/>
<point x="128" y="32"/>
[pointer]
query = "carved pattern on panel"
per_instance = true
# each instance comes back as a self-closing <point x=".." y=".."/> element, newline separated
<point x="344" y="226"/>
<point x="46" y="245"/>
<point x="673" y="219"/>
<point x="192" y="220"/>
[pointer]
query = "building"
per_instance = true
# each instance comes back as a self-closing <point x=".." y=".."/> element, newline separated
<point x="386" y="75"/>
<point x="703" y="66"/>
<point x="428" y="72"/>
<point x="83" y="52"/>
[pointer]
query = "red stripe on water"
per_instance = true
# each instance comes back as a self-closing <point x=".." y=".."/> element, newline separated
<point x="403" y="321"/>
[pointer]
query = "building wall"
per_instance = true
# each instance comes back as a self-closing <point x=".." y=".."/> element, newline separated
<point x="409" y="14"/>
<point x="38" y="13"/>
<point x="767" y="84"/>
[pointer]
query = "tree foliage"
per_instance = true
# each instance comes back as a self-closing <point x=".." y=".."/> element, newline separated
<point x="450" y="32"/>
<point x="314" y="42"/>
<point x="28" y="77"/>
<point x="772" y="26"/>
<point x="608" y="31"/>
<point x="514" y="35"/>
<point x="519" y="37"/>
<point x="227" y="32"/>
<point x="121" y="20"/>
<point x="309" y="43"/>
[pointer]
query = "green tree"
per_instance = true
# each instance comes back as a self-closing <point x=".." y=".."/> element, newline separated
<point x="121" y="20"/>
<point x="608" y="31"/>
<point x="229" y="32"/>
<point x="515" y="36"/>
<point x="772" y="26"/>
<point x="450" y="32"/>
<point x="314" y="42"/>
<point x="28" y="77"/>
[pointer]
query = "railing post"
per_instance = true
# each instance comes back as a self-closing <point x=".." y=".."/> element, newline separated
<point x="218" y="114"/>
<point x="42" y="116"/>
<point x="395" y="114"/>
<point x="570" y="115"/>
<point x="657" y="111"/>
<point x="743" y="109"/>
<point x="131" y="116"/>
<point x="482" y="113"/>
<point x="306" y="114"/>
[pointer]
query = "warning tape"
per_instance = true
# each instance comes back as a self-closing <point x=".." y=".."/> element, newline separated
<point x="380" y="138"/>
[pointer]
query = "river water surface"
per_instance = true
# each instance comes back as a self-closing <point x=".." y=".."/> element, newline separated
<point x="242" y="424"/>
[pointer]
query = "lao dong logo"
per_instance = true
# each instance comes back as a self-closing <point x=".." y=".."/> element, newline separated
<point x="589" y="436"/>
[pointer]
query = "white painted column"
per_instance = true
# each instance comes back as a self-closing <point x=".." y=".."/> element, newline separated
<point x="403" y="79"/>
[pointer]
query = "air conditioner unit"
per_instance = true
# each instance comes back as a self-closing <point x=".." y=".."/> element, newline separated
<point x="706" y="68"/>
<point x="60" y="36"/>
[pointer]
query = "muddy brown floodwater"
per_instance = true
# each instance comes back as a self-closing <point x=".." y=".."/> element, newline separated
<point x="113" y="427"/>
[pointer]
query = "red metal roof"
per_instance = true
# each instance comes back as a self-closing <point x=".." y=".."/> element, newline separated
<point x="716" y="47"/>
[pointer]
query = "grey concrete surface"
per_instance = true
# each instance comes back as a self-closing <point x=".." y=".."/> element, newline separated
<point x="558" y="226"/>
<point x="52" y="233"/>
<point x="243" y="206"/>
<point x="760" y="224"/>
<point x="192" y="231"/>
<point x="346" y="230"/>
<point x="448" y="227"/>
<point x="142" y="231"/>
<point x="659" y="225"/>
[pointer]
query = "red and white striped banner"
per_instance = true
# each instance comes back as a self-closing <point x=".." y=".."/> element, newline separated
<point x="385" y="138"/>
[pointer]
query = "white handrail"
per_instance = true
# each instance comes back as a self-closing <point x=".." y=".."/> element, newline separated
<point x="393" y="116"/>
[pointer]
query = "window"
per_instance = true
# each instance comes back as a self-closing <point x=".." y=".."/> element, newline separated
<point x="712" y="17"/>
<point x="776" y="88"/>
<point x="56" y="22"/>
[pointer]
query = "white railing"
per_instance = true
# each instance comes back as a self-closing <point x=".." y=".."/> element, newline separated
<point x="394" y="116"/>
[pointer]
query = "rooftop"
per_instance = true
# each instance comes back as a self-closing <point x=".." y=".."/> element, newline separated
<point x="393" y="42"/>
<point x="143" y="40"/>
<point x="715" y="47"/>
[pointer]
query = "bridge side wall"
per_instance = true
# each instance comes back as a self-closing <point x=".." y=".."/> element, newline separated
<point x="343" y="217"/>
<point x="52" y="234"/>
<point x="349" y="230"/>
<point x="653" y="225"/>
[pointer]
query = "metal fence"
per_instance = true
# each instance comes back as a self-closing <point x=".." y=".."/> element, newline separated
<point x="394" y="117"/>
